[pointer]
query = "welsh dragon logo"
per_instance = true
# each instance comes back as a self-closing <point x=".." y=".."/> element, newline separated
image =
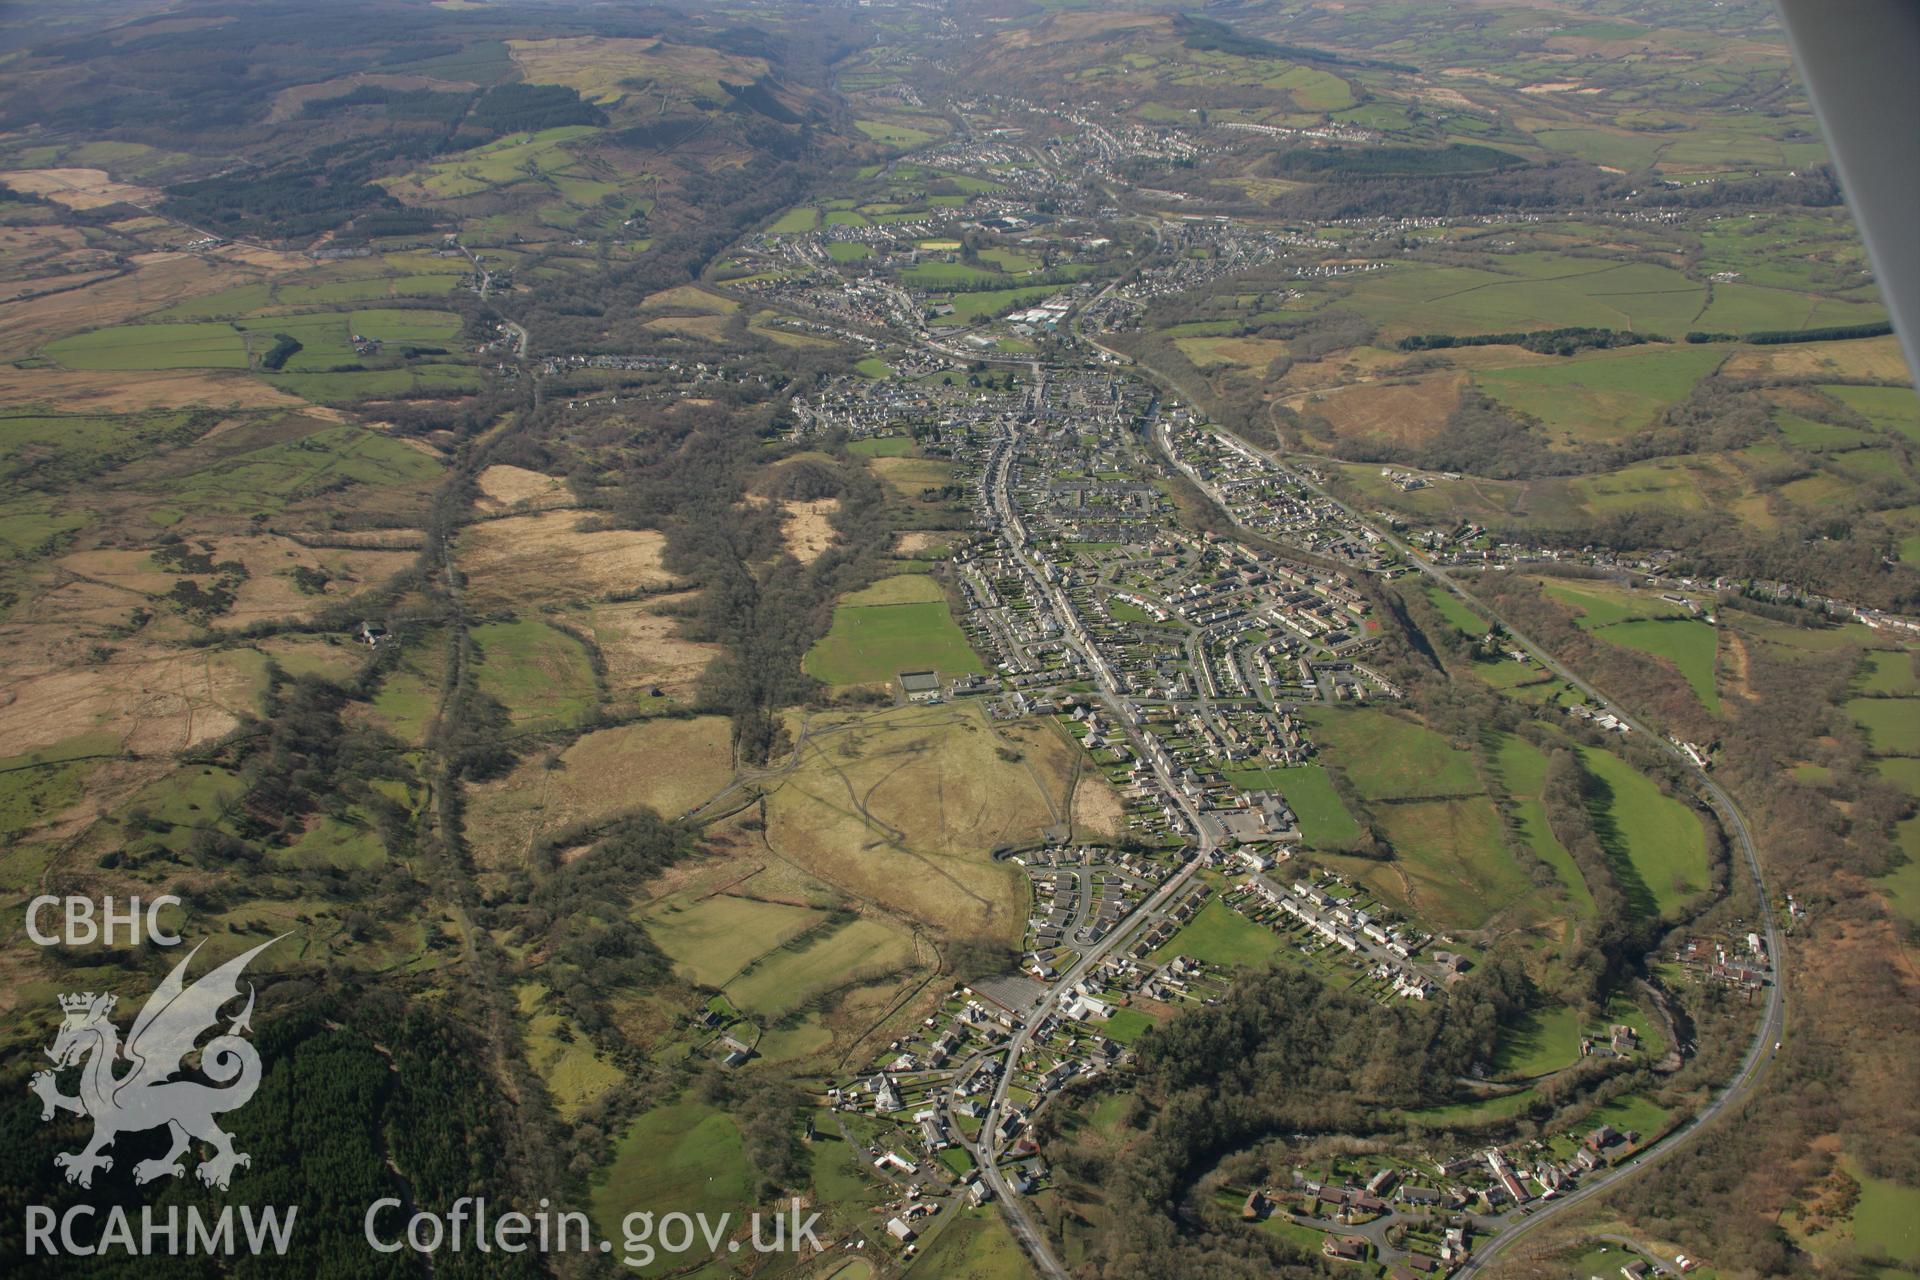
<point x="145" y="1096"/>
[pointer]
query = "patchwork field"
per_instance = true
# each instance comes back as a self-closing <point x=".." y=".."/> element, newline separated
<point x="520" y="562"/>
<point x="574" y="1073"/>
<point x="667" y="765"/>
<point x="1402" y="413"/>
<point x="903" y="809"/>
<point x="505" y="488"/>
<point x="642" y="652"/>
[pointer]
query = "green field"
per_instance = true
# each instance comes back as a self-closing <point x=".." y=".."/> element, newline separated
<point x="889" y="628"/>
<point x="893" y="135"/>
<point x="1458" y="1114"/>
<point x="267" y="478"/>
<point x="1604" y="146"/>
<point x="1690" y="646"/>
<point x="1220" y="935"/>
<point x="56" y="448"/>
<point x="881" y="446"/>
<point x="540" y="675"/>
<point x="1531" y="291"/>
<point x="1125" y="1025"/>
<point x="208" y="345"/>
<point x="1893" y="408"/>
<point x="410" y="693"/>
<point x="1541" y="1042"/>
<point x="1892" y="724"/>
<point x="1453" y="855"/>
<point x="44" y="783"/>
<point x="1390" y="757"/>
<point x="841" y="1174"/>
<point x="350" y="843"/>
<point x="796" y="222"/>
<point x="1603" y="604"/>
<point x="685" y="1157"/>
<point x="1635" y="1114"/>
<point x="400" y="325"/>
<point x="712" y="939"/>
<point x="353" y="386"/>
<point x="1886" y="1221"/>
<point x="862" y="951"/>
<point x="1604" y="394"/>
<point x="1749" y="308"/>
<point x="1522" y="768"/>
<point x="945" y="275"/>
<point x="1656" y="844"/>
<point x="541" y="158"/>
<point x="988" y="303"/>
<point x="422" y="276"/>
<point x="574" y="1074"/>
<point x="1009" y="260"/>
<point x="1455" y="612"/>
<point x="973" y="1244"/>
<point x="1902" y="884"/>
<point x="1809" y="434"/>
<point x="155" y="346"/>
<point x="1324" y="820"/>
<point x="1665" y="486"/>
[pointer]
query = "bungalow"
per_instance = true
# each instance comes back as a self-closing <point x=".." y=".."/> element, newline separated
<point x="1345" y="1248"/>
